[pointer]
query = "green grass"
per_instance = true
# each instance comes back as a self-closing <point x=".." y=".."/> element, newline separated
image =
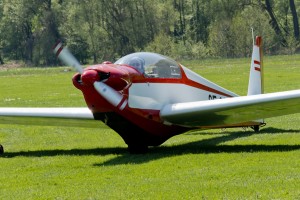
<point x="78" y="163"/>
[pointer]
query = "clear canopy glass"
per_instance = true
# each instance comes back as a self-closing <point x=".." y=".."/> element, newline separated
<point x="152" y="65"/>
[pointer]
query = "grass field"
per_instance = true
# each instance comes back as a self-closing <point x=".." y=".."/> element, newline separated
<point x="85" y="163"/>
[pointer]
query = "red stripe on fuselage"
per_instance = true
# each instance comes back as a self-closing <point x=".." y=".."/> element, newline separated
<point x="206" y="88"/>
<point x="189" y="82"/>
<point x="257" y="69"/>
<point x="183" y="80"/>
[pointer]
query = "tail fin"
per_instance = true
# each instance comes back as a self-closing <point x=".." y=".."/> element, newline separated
<point x="256" y="71"/>
<point x="256" y="81"/>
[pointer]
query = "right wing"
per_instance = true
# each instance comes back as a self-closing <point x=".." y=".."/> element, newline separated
<point x="230" y="111"/>
<point x="71" y="117"/>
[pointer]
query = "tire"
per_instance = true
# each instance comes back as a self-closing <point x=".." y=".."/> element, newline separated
<point x="256" y="128"/>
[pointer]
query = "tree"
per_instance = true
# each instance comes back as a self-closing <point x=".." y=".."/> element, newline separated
<point x="97" y="30"/>
<point x="180" y="26"/>
<point x="295" y="19"/>
<point x="199" y="22"/>
<point x="250" y="18"/>
<point x="45" y="28"/>
<point x="15" y="31"/>
<point x="274" y="22"/>
<point x="29" y="28"/>
<point x="1" y="39"/>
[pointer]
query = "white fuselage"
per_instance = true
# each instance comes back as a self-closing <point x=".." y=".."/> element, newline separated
<point x="155" y="95"/>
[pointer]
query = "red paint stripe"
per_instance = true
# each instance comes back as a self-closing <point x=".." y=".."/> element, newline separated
<point x="56" y="44"/>
<point x="258" y="41"/>
<point x="58" y="51"/>
<point x="183" y="80"/>
<point x="256" y="62"/>
<point x="206" y="88"/>
<point x="186" y="82"/>
<point x="201" y="86"/>
<point x="257" y="69"/>
<point x="121" y="103"/>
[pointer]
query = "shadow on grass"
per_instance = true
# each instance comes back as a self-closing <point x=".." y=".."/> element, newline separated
<point x="205" y="146"/>
<point x="62" y="152"/>
<point x="272" y="130"/>
<point x="269" y="130"/>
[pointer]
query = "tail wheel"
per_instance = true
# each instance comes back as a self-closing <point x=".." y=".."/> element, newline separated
<point x="255" y="128"/>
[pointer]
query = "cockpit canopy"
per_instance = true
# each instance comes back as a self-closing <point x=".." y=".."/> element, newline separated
<point x="152" y="65"/>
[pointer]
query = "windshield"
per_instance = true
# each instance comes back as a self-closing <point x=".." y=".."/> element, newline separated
<point x="152" y="65"/>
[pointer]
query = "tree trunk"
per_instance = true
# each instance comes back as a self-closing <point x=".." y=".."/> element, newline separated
<point x="1" y="60"/>
<point x="295" y="19"/>
<point x="274" y="22"/>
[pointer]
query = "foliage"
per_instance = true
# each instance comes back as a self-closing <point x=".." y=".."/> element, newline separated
<point x="162" y="44"/>
<point x="233" y="38"/>
<point x="97" y="30"/>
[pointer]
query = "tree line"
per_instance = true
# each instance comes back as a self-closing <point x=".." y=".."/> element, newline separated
<point x="97" y="30"/>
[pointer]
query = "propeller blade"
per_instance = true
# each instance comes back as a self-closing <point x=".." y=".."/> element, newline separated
<point x="111" y="95"/>
<point x="107" y="92"/>
<point x="66" y="56"/>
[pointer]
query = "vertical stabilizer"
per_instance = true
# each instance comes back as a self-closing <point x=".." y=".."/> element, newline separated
<point x="256" y="80"/>
<point x="256" y="71"/>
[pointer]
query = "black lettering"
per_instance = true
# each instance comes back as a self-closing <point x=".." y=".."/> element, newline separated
<point x="212" y="97"/>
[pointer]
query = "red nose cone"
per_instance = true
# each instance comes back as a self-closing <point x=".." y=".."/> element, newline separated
<point x="89" y="77"/>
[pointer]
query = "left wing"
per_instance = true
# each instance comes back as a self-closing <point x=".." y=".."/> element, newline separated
<point x="71" y="117"/>
<point x="233" y="110"/>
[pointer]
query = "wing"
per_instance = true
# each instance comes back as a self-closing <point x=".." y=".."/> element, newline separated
<point x="232" y="110"/>
<point x="77" y="117"/>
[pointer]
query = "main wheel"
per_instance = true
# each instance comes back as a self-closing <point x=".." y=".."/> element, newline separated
<point x="256" y="128"/>
<point x="1" y="149"/>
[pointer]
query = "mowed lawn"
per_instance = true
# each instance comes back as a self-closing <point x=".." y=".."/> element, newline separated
<point x="86" y="163"/>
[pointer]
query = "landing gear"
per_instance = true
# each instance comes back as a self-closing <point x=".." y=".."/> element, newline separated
<point x="255" y="128"/>
<point x="1" y="149"/>
<point x="138" y="149"/>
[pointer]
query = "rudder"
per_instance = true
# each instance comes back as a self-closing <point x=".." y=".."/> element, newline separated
<point x="256" y="85"/>
<point x="256" y="80"/>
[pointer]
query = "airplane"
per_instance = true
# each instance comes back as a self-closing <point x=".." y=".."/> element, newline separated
<point x="148" y="98"/>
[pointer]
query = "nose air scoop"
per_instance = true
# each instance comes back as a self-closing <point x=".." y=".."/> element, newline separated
<point x="89" y="77"/>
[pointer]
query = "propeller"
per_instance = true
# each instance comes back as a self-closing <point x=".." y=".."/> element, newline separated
<point x="111" y="95"/>
<point x="66" y="56"/>
<point x="89" y="77"/>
